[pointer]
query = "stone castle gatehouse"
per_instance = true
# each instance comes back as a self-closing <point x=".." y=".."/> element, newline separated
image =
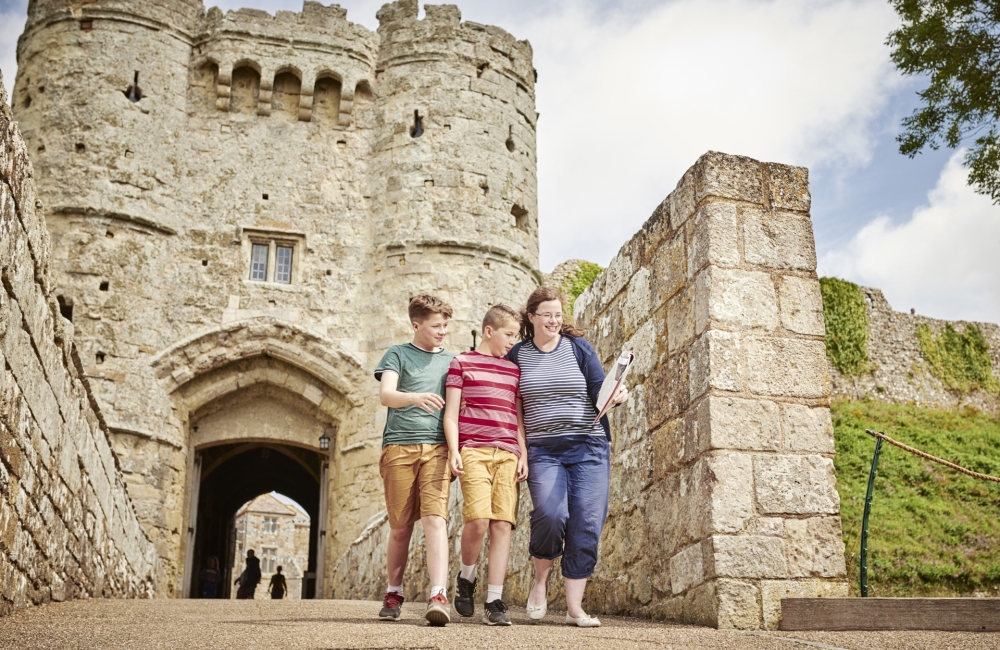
<point x="208" y="235"/>
<point x="240" y="206"/>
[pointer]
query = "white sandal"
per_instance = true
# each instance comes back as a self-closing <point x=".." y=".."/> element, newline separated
<point x="584" y="621"/>
<point x="536" y="612"/>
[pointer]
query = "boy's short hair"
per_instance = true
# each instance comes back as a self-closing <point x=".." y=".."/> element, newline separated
<point x="424" y="305"/>
<point x="499" y="315"/>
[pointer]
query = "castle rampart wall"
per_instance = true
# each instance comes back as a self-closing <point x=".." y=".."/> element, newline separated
<point x="67" y="526"/>
<point x="898" y="371"/>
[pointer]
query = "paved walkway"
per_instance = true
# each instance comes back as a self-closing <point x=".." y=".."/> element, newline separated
<point x="338" y="625"/>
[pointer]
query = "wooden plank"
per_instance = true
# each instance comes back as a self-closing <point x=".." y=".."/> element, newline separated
<point x="946" y="614"/>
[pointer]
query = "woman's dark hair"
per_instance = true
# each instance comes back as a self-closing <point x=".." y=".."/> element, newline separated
<point x="537" y="297"/>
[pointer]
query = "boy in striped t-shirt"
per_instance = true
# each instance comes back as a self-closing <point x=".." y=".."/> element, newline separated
<point x="486" y="449"/>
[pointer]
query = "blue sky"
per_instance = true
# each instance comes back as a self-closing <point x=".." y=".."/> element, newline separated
<point x="631" y="93"/>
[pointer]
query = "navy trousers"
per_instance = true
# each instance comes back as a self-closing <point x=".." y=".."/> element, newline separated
<point x="568" y="478"/>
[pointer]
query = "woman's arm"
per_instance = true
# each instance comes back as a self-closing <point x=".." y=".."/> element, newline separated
<point x="453" y="401"/>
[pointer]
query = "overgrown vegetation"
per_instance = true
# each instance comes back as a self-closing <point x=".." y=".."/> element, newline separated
<point x="961" y="361"/>
<point x="846" y="325"/>
<point x="579" y="281"/>
<point x="932" y="531"/>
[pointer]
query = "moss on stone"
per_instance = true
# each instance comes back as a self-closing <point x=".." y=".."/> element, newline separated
<point x="846" y="325"/>
<point x="961" y="361"/>
<point x="579" y="281"/>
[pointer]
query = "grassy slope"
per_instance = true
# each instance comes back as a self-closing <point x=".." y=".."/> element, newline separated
<point x="933" y="531"/>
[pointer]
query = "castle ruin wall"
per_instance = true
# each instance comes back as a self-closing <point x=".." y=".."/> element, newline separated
<point x="67" y="525"/>
<point x="898" y="371"/>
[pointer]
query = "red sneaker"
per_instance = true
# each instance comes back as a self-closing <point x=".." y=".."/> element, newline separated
<point x="438" y="610"/>
<point x="392" y="606"/>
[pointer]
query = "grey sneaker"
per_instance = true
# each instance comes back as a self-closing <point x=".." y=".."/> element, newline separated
<point x="464" y="596"/>
<point x="438" y="611"/>
<point x="392" y="606"/>
<point x="496" y="613"/>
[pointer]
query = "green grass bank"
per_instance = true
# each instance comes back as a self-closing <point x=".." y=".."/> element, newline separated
<point x="933" y="531"/>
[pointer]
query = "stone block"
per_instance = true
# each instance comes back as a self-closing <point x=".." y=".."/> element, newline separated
<point x="669" y="269"/>
<point x="814" y="548"/>
<point x="715" y="235"/>
<point x="637" y="305"/>
<point x="772" y="591"/>
<point x="738" y="605"/>
<point x="779" y="240"/>
<point x="728" y="177"/>
<point x="788" y="187"/>
<point x="801" y="305"/>
<point x="786" y="367"/>
<point x="741" y="300"/>
<point x="687" y="568"/>
<point x="795" y="485"/>
<point x="715" y="363"/>
<point x="682" y="201"/>
<point x="730" y="487"/>
<point x="807" y="428"/>
<point x="746" y="556"/>
<point x="680" y="319"/>
<point x="737" y="423"/>
<point x="667" y="393"/>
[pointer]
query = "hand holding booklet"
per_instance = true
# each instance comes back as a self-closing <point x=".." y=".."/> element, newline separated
<point x="614" y="380"/>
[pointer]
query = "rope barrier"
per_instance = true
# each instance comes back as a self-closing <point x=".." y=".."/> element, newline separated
<point x="935" y="459"/>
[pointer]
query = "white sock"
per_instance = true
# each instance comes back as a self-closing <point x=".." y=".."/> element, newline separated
<point x="468" y="572"/>
<point x="493" y="592"/>
<point x="435" y="590"/>
<point x="396" y="590"/>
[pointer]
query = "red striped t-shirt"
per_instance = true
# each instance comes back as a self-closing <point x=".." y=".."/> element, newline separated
<point x="489" y="387"/>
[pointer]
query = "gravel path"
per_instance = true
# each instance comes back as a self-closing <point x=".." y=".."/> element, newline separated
<point x="335" y="625"/>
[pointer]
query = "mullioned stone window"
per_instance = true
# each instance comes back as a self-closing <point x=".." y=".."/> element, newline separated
<point x="274" y="256"/>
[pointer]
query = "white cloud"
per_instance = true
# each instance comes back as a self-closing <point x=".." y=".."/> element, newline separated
<point x="12" y="17"/>
<point x="628" y="105"/>
<point x="943" y="261"/>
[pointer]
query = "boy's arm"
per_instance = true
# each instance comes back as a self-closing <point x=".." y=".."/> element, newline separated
<point x="522" y="462"/>
<point x="453" y="398"/>
<point x="394" y="399"/>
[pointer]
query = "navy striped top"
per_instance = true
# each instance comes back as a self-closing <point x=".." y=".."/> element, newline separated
<point x="554" y="394"/>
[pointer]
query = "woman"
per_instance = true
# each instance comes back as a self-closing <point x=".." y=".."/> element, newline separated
<point x="569" y="454"/>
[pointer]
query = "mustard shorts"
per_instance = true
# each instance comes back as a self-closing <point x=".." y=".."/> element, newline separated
<point x="489" y="485"/>
<point x="416" y="480"/>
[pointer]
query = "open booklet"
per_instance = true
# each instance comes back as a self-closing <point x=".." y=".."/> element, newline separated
<point x="615" y="379"/>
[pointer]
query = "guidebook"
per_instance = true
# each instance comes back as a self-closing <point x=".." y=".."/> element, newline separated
<point x="616" y="377"/>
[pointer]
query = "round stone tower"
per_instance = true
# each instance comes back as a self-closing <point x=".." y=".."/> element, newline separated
<point x="100" y="90"/>
<point x="452" y="174"/>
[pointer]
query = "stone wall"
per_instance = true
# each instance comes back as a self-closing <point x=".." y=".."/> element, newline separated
<point x="899" y="373"/>
<point x="67" y="526"/>
<point x="723" y="494"/>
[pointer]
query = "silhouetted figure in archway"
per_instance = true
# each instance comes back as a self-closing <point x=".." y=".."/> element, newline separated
<point x="249" y="579"/>
<point x="277" y="586"/>
<point x="210" y="578"/>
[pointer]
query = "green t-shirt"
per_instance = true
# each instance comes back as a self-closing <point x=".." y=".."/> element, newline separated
<point x="419" y="371"/>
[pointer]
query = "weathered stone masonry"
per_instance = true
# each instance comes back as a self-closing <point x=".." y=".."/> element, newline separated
<point x="67" y="527"/>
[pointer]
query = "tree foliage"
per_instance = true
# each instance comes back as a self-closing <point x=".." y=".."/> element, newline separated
<point x="578" y="283"/>
<point x="956" y="43"/>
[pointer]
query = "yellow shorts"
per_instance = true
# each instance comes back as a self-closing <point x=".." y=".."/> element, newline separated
<point x="416" y="480"/>
<point x="489" y="485"/>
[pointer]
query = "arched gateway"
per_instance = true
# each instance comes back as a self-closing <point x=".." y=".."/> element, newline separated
<point x="255" y="398"/>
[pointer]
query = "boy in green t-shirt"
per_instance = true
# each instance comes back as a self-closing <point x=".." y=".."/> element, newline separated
<point x="414" y="462"/>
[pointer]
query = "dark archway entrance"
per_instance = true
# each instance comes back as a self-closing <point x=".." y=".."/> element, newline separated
<point x="231" y="475"/>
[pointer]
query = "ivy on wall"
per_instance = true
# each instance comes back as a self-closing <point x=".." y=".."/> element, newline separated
<point x="961" y="361"/>
<point x="846" y="325"/>
<point x="579" y="281"/>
